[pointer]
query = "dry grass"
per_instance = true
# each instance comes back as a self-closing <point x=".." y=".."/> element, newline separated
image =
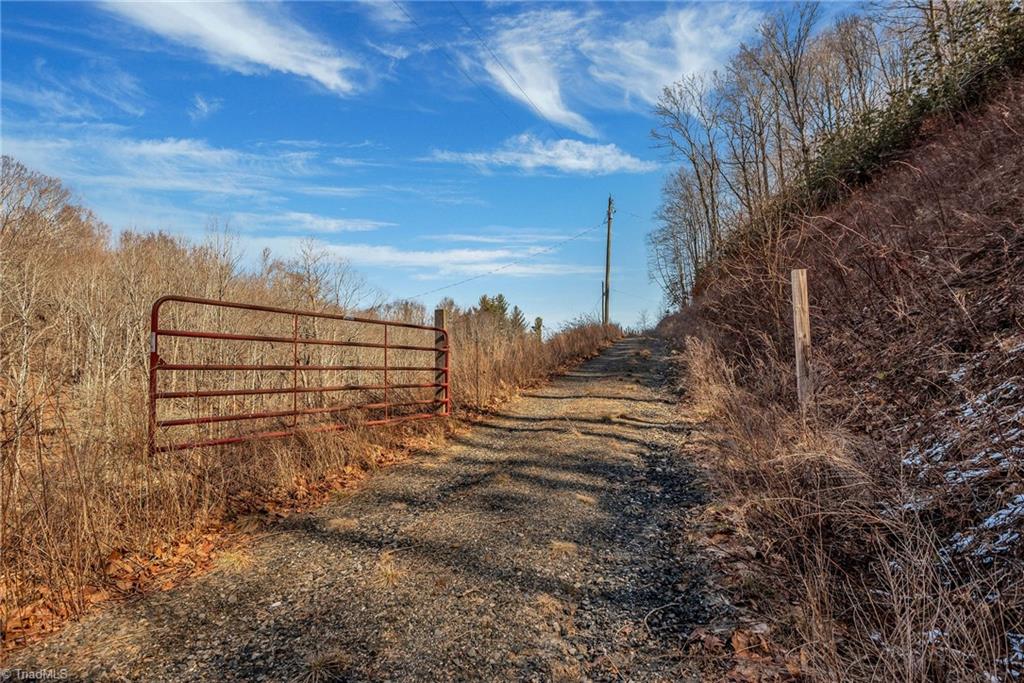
<point x="387" y="573"/>
<point x="75" y="482"/>
<point x="325" y="666"/>
<point x="549" y="606"/>
<point x="877" y="519"/>
<point x="235" y="560"/>
<point x="875" y="598"/>
<point x="562" y="548"/>
<point x="339" y="524"/>
<point x="585" y="499"/>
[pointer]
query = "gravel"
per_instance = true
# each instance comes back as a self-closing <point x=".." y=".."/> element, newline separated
<point x="545" y="543"/>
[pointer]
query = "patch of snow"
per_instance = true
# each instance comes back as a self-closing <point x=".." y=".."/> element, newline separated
<point x="1005" y="541"/>
<point x="1006" y="390"/>
<point x="1010" y="513"/>
<point x="957" y="476"/>
<point x="959" y="542"/>
<point x="936" y="452"/>
<point x="1014" y="661"/>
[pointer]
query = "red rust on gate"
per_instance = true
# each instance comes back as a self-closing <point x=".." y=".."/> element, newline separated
<point x="441" y="403"/>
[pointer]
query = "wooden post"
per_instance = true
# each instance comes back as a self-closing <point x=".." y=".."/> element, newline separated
<point x="441" y="363"/>
<point x="802" y="338"/>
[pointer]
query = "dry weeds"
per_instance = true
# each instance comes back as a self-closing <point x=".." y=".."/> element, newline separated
<point x="325" y="666"/>
<point x="75" y="482"/>
<point x="342" y="524"/>
<point x="234" y="560"/>
<point x="562" y="548"/>
<point x="387" y="572"/>
<point x="887" y="517"/>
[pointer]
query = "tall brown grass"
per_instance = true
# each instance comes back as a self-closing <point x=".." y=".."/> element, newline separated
<point x="887" y="519"/>
<point x="860" y="579"/>
<point x="80" y="501"/>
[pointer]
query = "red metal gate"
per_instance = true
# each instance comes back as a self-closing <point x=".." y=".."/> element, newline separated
<point x="381" y="408"/>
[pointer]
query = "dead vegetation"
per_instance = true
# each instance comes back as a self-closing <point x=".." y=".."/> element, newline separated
<point x="886" y="525"/>
<point x="84" y="514"/>
<point x="325" y="666"/>
<point x="878" y="535"/>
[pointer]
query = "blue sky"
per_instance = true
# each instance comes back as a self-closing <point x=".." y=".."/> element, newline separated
<point x="425" y="143"/>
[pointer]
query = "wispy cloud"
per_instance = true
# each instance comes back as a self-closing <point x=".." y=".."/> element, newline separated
<point x="528" y="153"/>
<point x="48" y="102"/>
<point x="117" y="88"/>
<point x="333" y="190"/>
<point x="648" y="54"/>
<point x="246" y="38"/>
<point x="449" y="262"/>
<point x="558" y="60"/>
<point x="508" y="236"/>
<point x="441" y="192"/>
<point x="302" y="222"/>
<point x="96" y="156"/>
<point x="536" y="55"/>
<point x="202" y="107"/>
<point x="97" y="90"/>
<point x="386" y="14"/>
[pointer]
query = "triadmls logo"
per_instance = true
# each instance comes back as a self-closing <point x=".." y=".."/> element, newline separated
<point x="33" y="675"/>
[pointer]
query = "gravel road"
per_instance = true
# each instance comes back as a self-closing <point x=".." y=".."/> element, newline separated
<point x="545" y="543"/>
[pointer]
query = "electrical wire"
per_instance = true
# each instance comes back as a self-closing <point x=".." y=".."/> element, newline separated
<point x="454" y="62"/>
<point x="497" y="59"/>
<point x="629" y="294"/>
<point x="546" y="250"/>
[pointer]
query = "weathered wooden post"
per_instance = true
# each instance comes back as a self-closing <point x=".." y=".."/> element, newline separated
<point x="802" y="338"/>
<point x="441" y="362"/>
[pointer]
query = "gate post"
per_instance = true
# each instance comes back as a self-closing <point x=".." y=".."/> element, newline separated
<point x="441" y="361"/>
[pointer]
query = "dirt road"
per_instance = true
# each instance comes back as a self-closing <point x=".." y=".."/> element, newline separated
<point x="544" y="544"/>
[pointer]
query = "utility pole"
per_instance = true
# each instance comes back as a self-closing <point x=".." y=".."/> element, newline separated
<point x="608" y="264"/>
<point x="602" y="299"/>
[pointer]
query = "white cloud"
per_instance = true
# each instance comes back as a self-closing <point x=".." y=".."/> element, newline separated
<point x="499" y="236"/>
<point x="115" y="87"/>
<point x="566" y="58"/>
<point x="299" y="221"/>
<point x="536" y="49"/>
<point x="98" y="157"/>
<point x="202" y="107"/>
<point x="88" y="95"/>
<point x="245" y="38"/>
<point x="529" y="153"/>
<point x="649" y="54"/>
<point x="333" y="191"/>
<point x="394" y="52"/>
<point x="386" y="14"/>
<point x="447" y="262"/>
<point x="48" y="102"/>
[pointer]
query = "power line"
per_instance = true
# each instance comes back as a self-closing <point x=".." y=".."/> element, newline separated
<point x="497" y="59"/>
<point x="517" y="262"/>
<point x="630" y="294"/>
<point x="453" y="62"/>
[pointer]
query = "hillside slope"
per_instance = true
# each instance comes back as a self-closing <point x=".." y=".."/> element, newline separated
<point x="905" y="497"/>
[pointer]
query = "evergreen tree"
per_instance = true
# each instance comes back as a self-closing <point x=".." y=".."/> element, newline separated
<point x="517" y="321"/>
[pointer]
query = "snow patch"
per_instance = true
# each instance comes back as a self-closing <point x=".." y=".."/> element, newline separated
<point x="1010" y="513"/>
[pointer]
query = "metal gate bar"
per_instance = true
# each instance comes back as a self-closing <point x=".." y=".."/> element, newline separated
<point x="441" y="384"/>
